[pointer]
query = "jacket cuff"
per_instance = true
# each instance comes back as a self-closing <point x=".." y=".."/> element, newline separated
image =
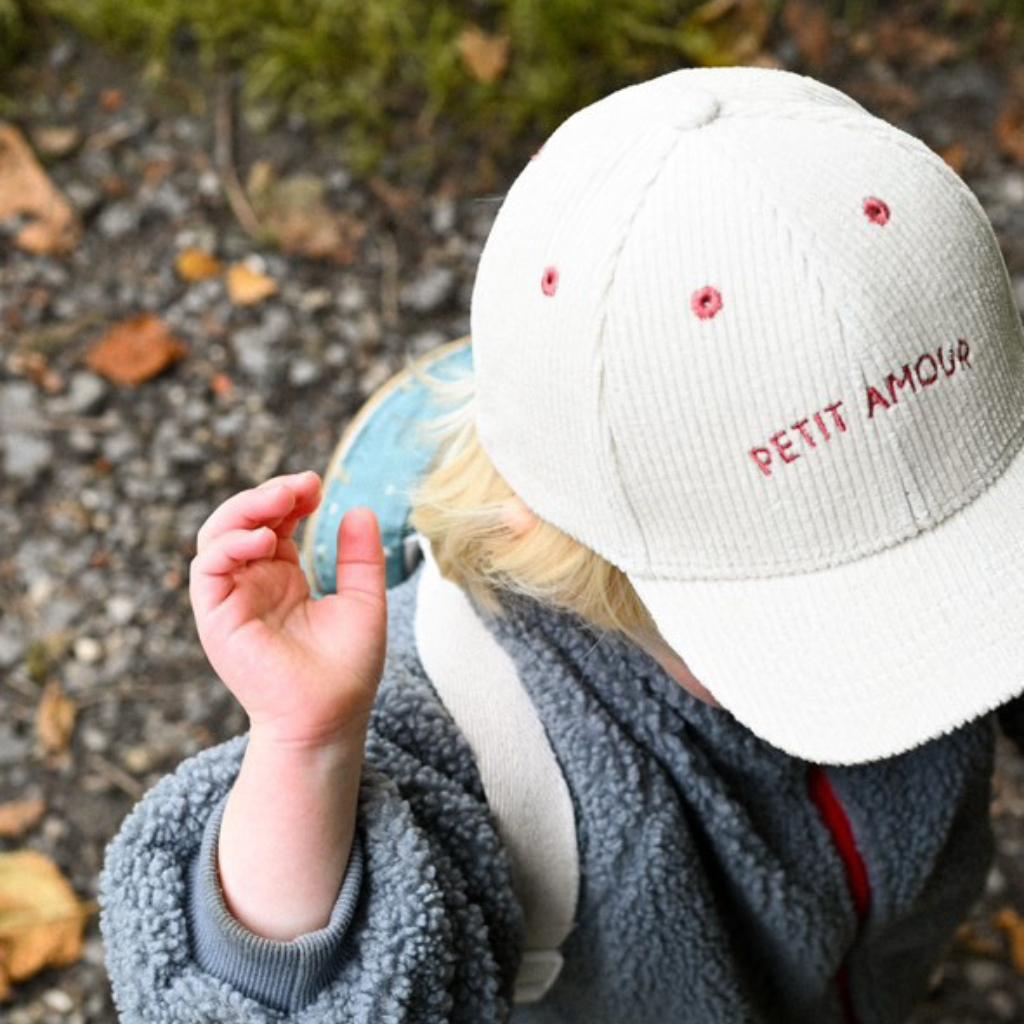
<point x="283" y="975"/>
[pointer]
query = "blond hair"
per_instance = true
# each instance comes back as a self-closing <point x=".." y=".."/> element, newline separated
<point x="486" y="540"/>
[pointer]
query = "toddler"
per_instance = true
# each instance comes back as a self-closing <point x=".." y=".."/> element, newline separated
<point x="738" y="487"/>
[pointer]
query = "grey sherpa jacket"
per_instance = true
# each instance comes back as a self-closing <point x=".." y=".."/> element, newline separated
<point x="713" y="886"/>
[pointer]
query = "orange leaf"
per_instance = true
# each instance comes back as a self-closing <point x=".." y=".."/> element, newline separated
<point x="111" y="99"/>
<point x="221" y="385"/>
<point x="135" y="350"/>
<point x="18" y="816"/>
<point x="55" y="718"/>
<point x="25" y="189"/>
<point x="485" y="56"/>
<point x="1009" y="126"/>
<point x="956" y="156"/>
<point x="1012" y="924"/>
<point x="41" y="920"/>
<point x="197" y="265"/>
<point x="247" y="287"/>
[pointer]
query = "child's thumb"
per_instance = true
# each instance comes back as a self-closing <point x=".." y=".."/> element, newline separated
<point x="361" y="562"/>
<point x="361" y="588"/>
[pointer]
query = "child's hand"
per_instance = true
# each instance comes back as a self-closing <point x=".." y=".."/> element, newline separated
<point x="306" y="671"/>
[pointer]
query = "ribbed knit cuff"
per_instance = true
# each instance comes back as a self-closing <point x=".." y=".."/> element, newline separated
<point x="283" y="975"/>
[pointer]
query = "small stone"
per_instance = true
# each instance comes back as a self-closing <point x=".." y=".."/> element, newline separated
<point x="139" y="759"/>
<point x="1003" y="1005"/>
<point x="13" y="748"/>
<point x="351" y="298"/>
<point x="94" y="739"/>
<point x="121" y="609"/>
<point x="85" y="198"/>
<point x="1013" y="188"/>
<point x="995" y="882"/>
<point x="982" y="974"/>
<point x="12" y="645"/>
<point x="85" y="392"/>
<point x="315" y="299"/>
<point x="82" y="441"/>
<point x="117" y="447"/>
<point x="88" y="650"/>
<point x="302" y="372"/>
<point x="58" y="1000"/>
<point x="430" y="290"/>
<point x="442" y="217"/>
<point x="25" y="457"/>
<point x="119" y="219"/>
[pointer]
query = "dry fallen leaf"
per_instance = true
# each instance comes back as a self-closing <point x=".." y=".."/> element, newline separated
<point x="1011" y="923"/>
<point x="111" y="99"/>
<point x="809" y="25"/>
<point x="25" y="189"/>
<point x="1009" y="126"/>
<point x="41" y="920"/>
<point x="55" y="718"/>
<point x="397" y="200"/>
<point x="135" y="350"/>
<point x="294" y="210"/>
<point x="197" y="265"/>
<point x="485" y="56"/>
<point x="956" y="156"/>
<point x="897" y="39"/>
<point x="18" y="816"/>
<point x="56" y="140"/>
<point x="246" y="287"/>
<point x="967" y="938"/>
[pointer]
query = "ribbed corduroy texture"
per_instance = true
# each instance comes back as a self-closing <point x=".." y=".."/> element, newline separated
<point x="643" y="414"/>
<point x="815" y="488"/>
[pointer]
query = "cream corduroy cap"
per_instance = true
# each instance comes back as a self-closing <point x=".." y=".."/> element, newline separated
<point x="758" y="348"/>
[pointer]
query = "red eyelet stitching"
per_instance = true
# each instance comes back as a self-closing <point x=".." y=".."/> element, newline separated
<point x="876" y="210"/>
<point x="549" y="280"/>
<point x="706" y="302"/>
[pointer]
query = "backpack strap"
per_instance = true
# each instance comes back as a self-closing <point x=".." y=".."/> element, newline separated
<point x="477" y="681"/>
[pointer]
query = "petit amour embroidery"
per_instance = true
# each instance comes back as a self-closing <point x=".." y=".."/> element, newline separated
<point x="783" y="447"/>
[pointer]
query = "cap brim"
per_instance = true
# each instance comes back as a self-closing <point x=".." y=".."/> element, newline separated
<point x="871" y="658"/>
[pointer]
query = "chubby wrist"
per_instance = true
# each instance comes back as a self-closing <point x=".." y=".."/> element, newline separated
<point x="326" y="748"/>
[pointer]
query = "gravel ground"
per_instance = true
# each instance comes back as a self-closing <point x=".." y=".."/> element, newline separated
<point x="103" y="487"/>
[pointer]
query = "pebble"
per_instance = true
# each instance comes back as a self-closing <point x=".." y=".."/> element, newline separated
<point x="12" y="644"/>
<point x="303" y="372"/>
<point x="119" y="219"/>
<point x="26" y="458"/>
<point x="85" y="393"/>
<point x="255" y="347"/>
<point x="88" y="650"/>
<point x="442" y="216"/>
<point x="982" y="974"/>
<point x="351" y="297"/>
<point x="121" y="609"/>
<point x="429" y="290"/>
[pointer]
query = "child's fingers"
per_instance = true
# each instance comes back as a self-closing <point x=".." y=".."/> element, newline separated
<point x="265" y="505"/>
<point x="210" y="579"/>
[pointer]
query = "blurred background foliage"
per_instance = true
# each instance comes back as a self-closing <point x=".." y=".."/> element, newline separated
<point x="394" y="74"/>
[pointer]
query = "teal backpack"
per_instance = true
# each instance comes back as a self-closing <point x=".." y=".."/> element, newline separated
<point x="379" y="457"/>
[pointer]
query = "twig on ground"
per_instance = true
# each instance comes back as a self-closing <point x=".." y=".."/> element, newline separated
<point x="223" y="156"/>
<point x="388" y="249"/>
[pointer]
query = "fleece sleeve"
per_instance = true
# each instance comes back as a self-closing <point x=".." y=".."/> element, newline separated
<point x="426" y="928"/>
<point x="284" y="975"/>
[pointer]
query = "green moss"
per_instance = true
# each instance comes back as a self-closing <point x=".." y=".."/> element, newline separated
<point x="387" y="75"/>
